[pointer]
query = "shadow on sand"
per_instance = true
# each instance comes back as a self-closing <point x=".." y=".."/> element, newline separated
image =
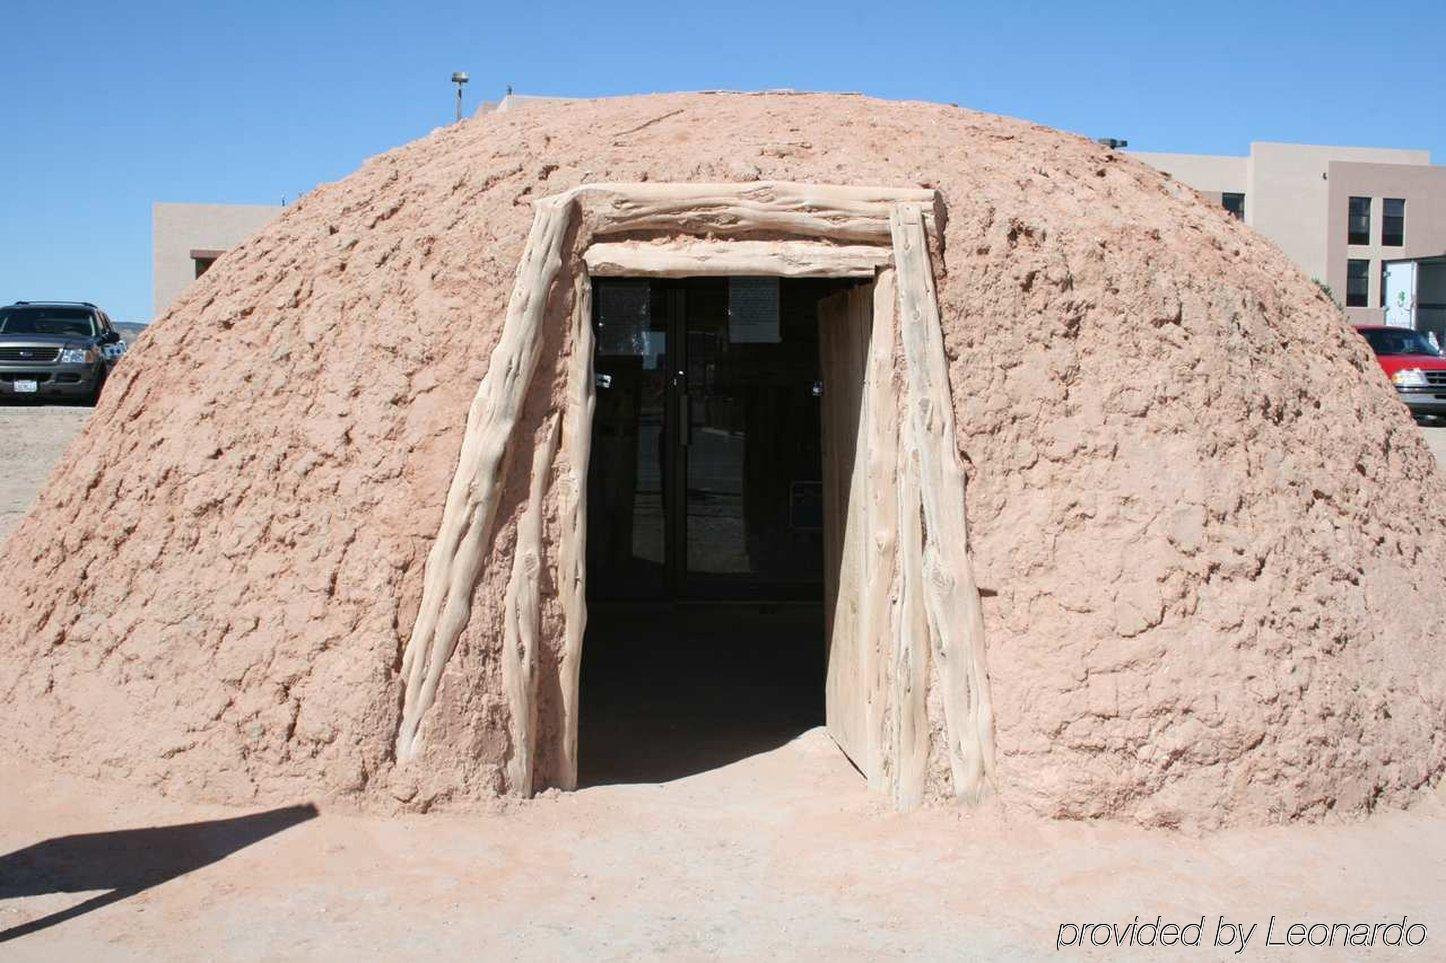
<point x="673" y="691"/>
<point x="128" y="861"/>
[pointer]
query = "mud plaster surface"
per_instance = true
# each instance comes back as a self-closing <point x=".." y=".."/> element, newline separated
<point x="1215" y="537"/>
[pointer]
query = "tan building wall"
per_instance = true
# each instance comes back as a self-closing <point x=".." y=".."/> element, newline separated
<point x="1298" y="194"/>
<point x="1208" y="173"/>
<point x="182" y="233"/>
<point x="1291" y="190"/>
<point x="1424" y="191"/>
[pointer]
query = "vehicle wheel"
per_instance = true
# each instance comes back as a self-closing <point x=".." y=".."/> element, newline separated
<point x="99" y="387"/>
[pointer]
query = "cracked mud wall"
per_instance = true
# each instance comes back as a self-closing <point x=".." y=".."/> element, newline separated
<point x="1213" y="536"/>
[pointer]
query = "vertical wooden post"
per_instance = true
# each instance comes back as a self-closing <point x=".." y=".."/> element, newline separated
<point x="572" y="514"/>
<point x="522" y="617"/>
<point x="908" y="733"/>
<point x="956" y="619"/>
<point x="454" y="566"/>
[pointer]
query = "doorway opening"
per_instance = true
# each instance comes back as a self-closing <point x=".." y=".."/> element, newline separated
<point x="906" y="682"/>
<point x="706" y="543"/>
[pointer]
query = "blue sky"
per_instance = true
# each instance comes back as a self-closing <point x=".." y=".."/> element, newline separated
<point x="107" y="107"/>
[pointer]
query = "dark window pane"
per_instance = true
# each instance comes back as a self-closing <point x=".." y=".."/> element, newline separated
<point x="203" y="264"/>
<point x="1358" y="283"/>
<point x="1383" y="284"/>
<point x="76" y="322"/>
<point x="1393" y="222"/>
<point x="1235" y="204"/>
<point x="1358" y="222"/>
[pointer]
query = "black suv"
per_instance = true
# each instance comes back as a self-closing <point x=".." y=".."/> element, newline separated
<point x="56" y="349"/>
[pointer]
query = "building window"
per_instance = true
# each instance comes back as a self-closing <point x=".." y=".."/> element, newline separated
<point x="1358" y="224"/>
<point x="203" y="257"/>
<point x="1235" y="204"/>
<point x="1383" y="284"/>
<point x="1393" y="222"/>
<point x="1358" y="283"/>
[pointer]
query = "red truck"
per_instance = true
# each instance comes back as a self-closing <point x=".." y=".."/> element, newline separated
<point x="1415" y="366"/>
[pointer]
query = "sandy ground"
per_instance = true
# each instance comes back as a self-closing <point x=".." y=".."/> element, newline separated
<point x="31" y="439"/>
<point x="1436" y="438"/>
<point x="783" y="855"/>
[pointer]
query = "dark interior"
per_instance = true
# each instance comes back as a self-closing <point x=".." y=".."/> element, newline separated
<point x="705" y="639"/>
<point x="671" y="689"/>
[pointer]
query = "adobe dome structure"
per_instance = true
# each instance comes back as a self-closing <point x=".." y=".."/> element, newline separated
<point x="1121" y="519"/>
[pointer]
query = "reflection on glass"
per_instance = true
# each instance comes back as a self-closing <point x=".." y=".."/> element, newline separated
<point x="727" y="502"/>
<point x="626" y="517"/>
<point x="754" y="435"/>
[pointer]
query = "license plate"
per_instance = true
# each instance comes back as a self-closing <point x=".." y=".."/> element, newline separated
<point x="25" y="387"/>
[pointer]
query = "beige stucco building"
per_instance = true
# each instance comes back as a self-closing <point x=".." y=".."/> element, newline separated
<point x="187" y="238"/>
<point x="1341" y="213"/>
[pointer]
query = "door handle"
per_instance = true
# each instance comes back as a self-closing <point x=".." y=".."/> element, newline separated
<point x="680" y="389"/>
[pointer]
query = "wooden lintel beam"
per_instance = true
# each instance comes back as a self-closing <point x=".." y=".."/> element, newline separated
<point x="829" y="211"/>
<point x="695" y="257"/>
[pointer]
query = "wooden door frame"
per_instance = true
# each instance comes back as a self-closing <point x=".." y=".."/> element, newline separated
<point x="768" y="228"/>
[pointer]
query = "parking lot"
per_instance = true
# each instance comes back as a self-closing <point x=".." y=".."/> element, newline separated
<point x="32" y="438"/>
<point x="1436" y="438"/>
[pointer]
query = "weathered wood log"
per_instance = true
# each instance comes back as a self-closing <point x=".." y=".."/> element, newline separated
<point x="572" y="515"/>
<point x="522" y="617"/>
<point x="454" y="565"/>
<point x="687" y="257"/>
<point x="828" y="211"/>
<point x="956" y="620"/>
<point x="908" y="731"/>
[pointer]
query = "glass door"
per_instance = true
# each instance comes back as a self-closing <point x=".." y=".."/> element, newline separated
<point x="752" y="453"/>
<point x="706" y="473"/>
<point x="629" y="501"/>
